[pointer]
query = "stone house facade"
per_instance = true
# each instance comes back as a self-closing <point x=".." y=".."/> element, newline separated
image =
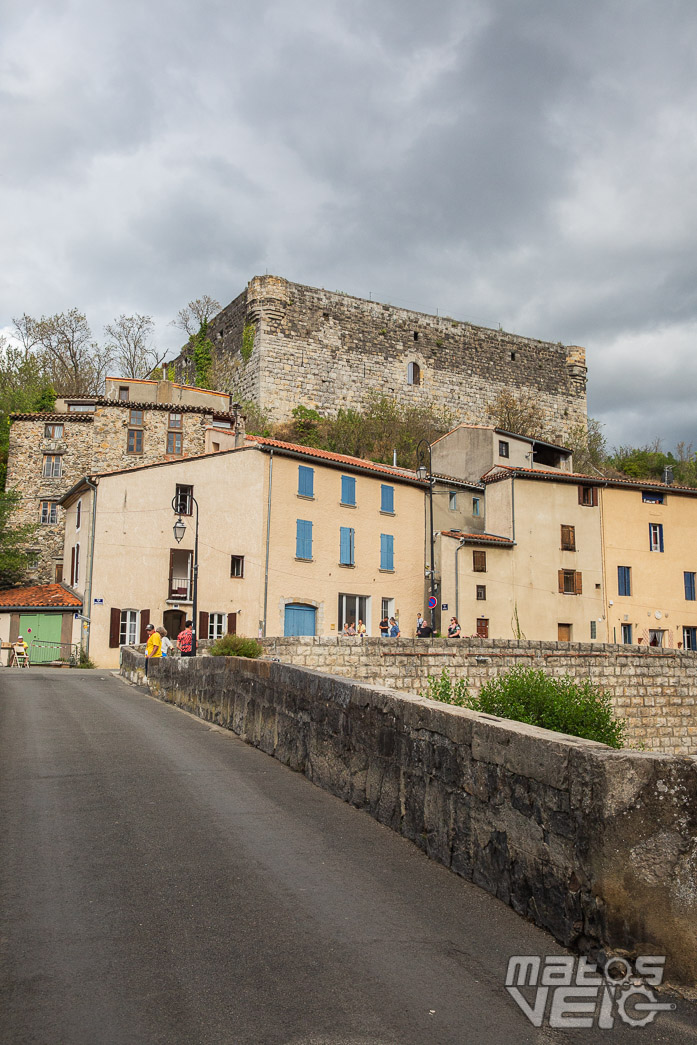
<point x="134" y="423"/>
<point x="280" y="344"/>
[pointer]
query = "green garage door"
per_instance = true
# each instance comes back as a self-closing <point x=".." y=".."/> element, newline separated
<point x="41" y="628"/>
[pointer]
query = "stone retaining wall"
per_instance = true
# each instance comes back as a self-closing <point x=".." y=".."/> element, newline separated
<point x="597" y="846"/>
<point x="654" y="691"/>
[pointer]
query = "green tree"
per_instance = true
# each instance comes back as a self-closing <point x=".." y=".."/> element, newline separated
<point x="520" y="414"/>
<point x="587" y="443"/>
<point x="14" y="559"/>
<point x="24" y="388"/>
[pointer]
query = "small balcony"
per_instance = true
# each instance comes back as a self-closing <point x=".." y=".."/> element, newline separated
<point x="180" y="576"/>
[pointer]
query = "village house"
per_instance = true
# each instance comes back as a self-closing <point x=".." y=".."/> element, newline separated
<point x="135" y="422"/>
<point x="291" y="541"/>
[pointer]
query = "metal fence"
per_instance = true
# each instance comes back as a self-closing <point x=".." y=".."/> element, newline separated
<point x="47" y="652"/>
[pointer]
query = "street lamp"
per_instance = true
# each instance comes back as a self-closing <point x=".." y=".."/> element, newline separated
<point x="179" y="529"/>
<point x="424" y="447"/>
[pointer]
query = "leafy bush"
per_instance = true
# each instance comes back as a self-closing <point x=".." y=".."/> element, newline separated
<point x="235" y="646"/>
<point x="562" y="704"/>
<point x="448" y="691"/>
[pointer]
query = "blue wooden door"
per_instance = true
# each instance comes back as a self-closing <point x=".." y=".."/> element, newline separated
<point x="300" y="620"/>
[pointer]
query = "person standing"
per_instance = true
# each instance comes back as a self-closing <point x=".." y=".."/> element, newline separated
<point x="166" y="642"/>
<point x="185" y="640"/>
<point x="384" y="627"/>
<point x="394" y="629"/>
<point x="154" y="645"/>
<point x="419" y="622"/>
<point x="454" y="629"/>
<point x="361" y="629"/>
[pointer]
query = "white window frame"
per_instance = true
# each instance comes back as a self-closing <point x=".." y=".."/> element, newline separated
<point x="129" y="625"/>
<point x="216" y="626"/>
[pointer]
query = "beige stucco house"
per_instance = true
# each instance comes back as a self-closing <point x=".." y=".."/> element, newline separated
<point x="649" y="533"/>
<point x="292" y="540"/>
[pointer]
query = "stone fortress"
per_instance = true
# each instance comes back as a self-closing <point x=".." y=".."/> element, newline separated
<point x="280" y="344"/>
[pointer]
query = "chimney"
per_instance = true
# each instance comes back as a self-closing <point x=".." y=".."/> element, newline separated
<point x="240" y="432"/>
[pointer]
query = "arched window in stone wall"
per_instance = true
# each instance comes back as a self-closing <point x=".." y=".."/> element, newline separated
<point x="413" y="374"/>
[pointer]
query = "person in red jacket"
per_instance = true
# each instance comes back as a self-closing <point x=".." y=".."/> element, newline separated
<point x="185" y="640"/>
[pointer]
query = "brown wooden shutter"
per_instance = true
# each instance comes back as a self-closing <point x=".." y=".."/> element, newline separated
<point x="114" y="628"/>
<point x="72" y="566"/>
<point x="232" y="623"/>
<point x="561" y="581"/>
<point x="578" y="585"/>
<point x="594" y="496"/>
<point x="202" y="625"/>
<point x="580" y="495"/>
<point x="144" y="621"/>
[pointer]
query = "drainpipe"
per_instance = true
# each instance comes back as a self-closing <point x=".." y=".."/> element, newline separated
<point x="88" y="592"/>
<point x="513" y="509"/>
<point x="457" y="599"/>
<point x="268" y="535"/>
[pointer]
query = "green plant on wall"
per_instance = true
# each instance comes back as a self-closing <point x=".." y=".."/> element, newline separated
<point x="202" y="351"/>
<point x="247" y="342"/>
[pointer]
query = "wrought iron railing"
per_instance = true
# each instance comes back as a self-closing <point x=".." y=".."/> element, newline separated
<point x="180" y="588"/>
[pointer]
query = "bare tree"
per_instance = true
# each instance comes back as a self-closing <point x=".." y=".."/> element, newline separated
<point x="196" y="314"/>
<point x="72" y="361"/>
<point x="130" y="343"/>
<point x="521" y="414"/>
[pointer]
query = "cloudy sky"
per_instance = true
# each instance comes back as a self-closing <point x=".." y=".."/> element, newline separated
<point x="529" y="163"/>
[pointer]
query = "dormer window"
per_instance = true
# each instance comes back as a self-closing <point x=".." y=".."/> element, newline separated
<point x="413" y="374"/>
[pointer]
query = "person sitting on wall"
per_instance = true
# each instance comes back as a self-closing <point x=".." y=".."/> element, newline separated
<point x="454" y="631"/>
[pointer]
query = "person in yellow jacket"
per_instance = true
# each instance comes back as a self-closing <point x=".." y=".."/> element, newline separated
<point x="154" y="646"/>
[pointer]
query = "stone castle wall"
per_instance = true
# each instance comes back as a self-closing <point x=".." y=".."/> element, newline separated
<point x="596" y="846"/>
<point x="654" y="691"/>
<point x="327" y="350"/>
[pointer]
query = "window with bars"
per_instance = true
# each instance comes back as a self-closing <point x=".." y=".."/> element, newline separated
<point x="570" y="582"/>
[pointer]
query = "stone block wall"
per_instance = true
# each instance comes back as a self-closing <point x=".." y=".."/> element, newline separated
<point x="330" y="350"/>
<point x="91" y="442"/>
<point x="596" y="846"/>
<point x="654" y="691"/>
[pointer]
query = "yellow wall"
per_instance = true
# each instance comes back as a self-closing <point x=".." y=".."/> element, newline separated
<point x="134" y="537"/>
<point x="522" y="585"/>
<point x="657" y="599"/>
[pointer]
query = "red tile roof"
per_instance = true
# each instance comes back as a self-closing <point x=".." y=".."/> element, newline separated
<point x="503" y="471"/>
<point x="351" y="462"/>
<point x="487" y="538"/>
<point x="42" y="596"/>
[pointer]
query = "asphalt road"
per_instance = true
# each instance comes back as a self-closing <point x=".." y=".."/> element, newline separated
<point x="161" y="882"/>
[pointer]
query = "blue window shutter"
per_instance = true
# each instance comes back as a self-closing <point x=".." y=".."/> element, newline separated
<point x="660" y="536"/>
<point x="346" y="546"/>
<point x="348" y="489"/>
<point x="306" y="478"/>
<point x="690" y="587"/>
<point x="386" y="551"/>
<point x="303" y="539"/>
<point x="387" y="499"/>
